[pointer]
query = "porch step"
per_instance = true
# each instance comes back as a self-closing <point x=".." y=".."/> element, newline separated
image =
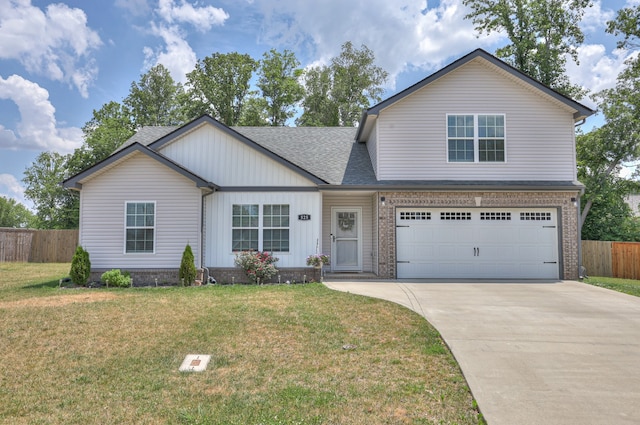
<point x="349" y="276"/>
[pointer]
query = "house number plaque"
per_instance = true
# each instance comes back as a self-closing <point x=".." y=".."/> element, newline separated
<point x="304" y="217"/>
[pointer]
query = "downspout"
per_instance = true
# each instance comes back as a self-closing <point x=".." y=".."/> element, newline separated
<point x="202" y="234"/>
<point x="579" y="218"/>
<point x="578" y="221"/>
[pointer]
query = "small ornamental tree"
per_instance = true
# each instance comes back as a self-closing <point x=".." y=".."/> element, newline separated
<point x="188" y="270"/>
<point x="258" y="266"/>
<point x="80" y="267"/>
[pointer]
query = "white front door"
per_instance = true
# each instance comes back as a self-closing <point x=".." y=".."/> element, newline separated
<point x="346" y="239"/>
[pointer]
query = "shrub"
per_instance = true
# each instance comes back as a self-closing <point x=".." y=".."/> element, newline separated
<point x="258" y="266"/>
<point x="115" y="278"/>
<point x="80" y="267"/>
<point x="317" y="260"/>
<point x="188" y="272"/>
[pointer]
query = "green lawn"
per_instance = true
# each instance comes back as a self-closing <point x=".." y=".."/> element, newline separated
<point x="628" y="286"/>
<point x="107" y="356"/>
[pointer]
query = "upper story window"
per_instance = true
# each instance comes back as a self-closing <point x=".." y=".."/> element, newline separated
<point x="475" y="138"/>
<point x="140" y="226"/>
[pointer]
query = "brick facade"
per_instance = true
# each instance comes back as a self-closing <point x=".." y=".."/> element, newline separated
<point x="567" y="220"/>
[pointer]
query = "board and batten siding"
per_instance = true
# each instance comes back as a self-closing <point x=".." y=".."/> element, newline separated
<point x="303" y="234"/>
<point x="364" y="201"/>
<point x="222" y="159"/>
<point x="412" y="133"/>
<point x="138" y="179"/>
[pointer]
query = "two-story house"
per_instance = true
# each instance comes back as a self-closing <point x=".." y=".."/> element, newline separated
<point x="470" y="173"/>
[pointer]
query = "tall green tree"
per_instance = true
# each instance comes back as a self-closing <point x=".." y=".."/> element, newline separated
<point x="254" y="111"/>
<point x="626" y="24"/>
<point x="154" y="100"/>
<point x="319" y="108"/>
<point x="56" y="207"/>
<point x="14" y="214"/>
<point x="542" y="33"/>
<point x="108" y="129"/>
<point x="219" y="86"/>
<point x="604" y="213"/>
<point x="357" y="81"/>
<point x="337" y="94"/>
<point x="279" y="84"/>
<point x="603" y="152"/>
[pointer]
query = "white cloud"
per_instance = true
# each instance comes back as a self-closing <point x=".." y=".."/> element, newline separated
<point x="134" y="7"/>
<point x="176" y="54"/>
<point x="11" y="188"/>
<point x="202" y="18"/>
<point x="597" y="70"/>
<point x="403" y="35"/>
<point x="595" y="18"/>
<point x="37" y="128"/>
<point x="56" y="43"/>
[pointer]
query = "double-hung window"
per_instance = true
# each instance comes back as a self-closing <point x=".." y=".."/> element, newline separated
<point x="245" y="227"/>
<point x="140" y="227"/>
<point x="475" y="138"/>
<point x="275" y="232"/>
<point x="260" y="227"/>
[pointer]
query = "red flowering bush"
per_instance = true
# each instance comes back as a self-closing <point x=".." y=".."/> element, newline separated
<point x="257" y="265"/>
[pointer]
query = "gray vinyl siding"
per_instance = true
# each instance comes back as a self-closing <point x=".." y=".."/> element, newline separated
<point x="218" y="157"/>
<point x="540" y="140"/>
<point x="365" y="201"/>
<point x="137" y="179"/>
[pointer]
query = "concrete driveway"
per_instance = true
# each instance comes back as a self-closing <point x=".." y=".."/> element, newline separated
<point x="533" y="352"/>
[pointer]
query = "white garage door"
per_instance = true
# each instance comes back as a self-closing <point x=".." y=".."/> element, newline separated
<point x="477" y="243"/>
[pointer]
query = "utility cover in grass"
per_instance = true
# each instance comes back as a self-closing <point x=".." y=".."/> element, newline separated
<point x="195" y="363"/>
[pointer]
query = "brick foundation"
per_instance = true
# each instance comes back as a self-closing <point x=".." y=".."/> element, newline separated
<point x="567" y="220"/>
<point x="144" y="277"/>
<point x="229" y="275"/>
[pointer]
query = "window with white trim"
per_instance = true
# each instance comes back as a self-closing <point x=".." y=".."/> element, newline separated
<point x="140" y="227"/>
<point x="275" y="232"/>
<point x="476" y="138"/>
<point x="245" y="227"/>
<point x="260" y="229"/>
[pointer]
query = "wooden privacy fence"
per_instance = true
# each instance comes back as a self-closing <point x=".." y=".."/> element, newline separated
<point x="37" y="246"/>
<point x="612" y="259"/>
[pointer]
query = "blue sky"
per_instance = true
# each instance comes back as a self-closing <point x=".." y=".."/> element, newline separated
<point x="61" y="60"/>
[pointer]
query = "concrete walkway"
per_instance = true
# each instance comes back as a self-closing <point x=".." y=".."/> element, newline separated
<point x="533" y="352"/>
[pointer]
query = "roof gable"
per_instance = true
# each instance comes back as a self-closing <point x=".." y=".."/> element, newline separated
<point x="369" y="116"/>
<point x="75" y="182"/>
<point x="176" y="134"/>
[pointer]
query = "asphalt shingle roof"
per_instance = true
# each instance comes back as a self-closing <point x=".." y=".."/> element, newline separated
<point x="329" y="153"/>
